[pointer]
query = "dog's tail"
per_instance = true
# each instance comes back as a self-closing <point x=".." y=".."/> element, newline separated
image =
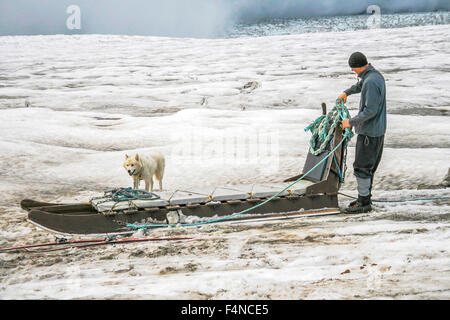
<point x="161" y="164"/>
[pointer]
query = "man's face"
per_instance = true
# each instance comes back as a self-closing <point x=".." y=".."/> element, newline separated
<point x="359" y="70"/>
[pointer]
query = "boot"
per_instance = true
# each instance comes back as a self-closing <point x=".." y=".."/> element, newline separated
<point x="353" y="203"/>
<point x="363" y="204"/>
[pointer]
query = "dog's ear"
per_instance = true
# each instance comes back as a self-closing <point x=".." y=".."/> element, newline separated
<point x="126" y="156"/>
<point x="136" y="157"/>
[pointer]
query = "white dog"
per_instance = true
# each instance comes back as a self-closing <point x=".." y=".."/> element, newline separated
<point x="144" y="167"/>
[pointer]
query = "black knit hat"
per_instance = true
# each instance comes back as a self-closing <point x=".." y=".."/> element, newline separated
<point x="357" y="60"/>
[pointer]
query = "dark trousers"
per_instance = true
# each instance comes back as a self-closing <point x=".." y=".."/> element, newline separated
<point x="367" y="158"/>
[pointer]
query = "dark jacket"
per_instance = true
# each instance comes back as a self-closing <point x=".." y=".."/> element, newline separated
<point x="371" y="119"/>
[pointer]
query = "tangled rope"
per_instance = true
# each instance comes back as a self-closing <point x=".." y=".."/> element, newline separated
<point x="125" y="194"/>
<point x="118" y="195"/>
<point x="322" y="129"/>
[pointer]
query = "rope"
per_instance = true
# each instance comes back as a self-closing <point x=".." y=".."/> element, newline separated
<point x="322" y="129"/>
<point x="339" y="103"/>
<point x="405" y="200"/>
<point x="123" y="194"/>
<point x="341" y="178"/>
<point x="126" y="194"/>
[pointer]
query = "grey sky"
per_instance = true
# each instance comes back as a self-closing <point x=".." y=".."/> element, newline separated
<point x="179" y="18"/>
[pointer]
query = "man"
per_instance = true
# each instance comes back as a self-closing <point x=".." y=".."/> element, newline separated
<point x="369" y="124"/>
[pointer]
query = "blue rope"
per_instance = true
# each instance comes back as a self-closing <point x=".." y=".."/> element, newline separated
<point x="125" y="194"/>
<point x="339" y="169"/>
<point x="314" y="124"/>
<point x="341" y="178"/>
<point x="143" y="226"/>
<point x="416" y="199"/>
<point x="405" y="200"/>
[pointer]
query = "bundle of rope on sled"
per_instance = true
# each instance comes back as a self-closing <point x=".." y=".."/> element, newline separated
<point x="129" y="194"/>
<point x="322" y="129"/>
<point x="124" y="194"/>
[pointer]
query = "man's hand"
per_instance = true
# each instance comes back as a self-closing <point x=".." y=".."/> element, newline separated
<point x="346" y="123"/>
<point x="343" y="96"/>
